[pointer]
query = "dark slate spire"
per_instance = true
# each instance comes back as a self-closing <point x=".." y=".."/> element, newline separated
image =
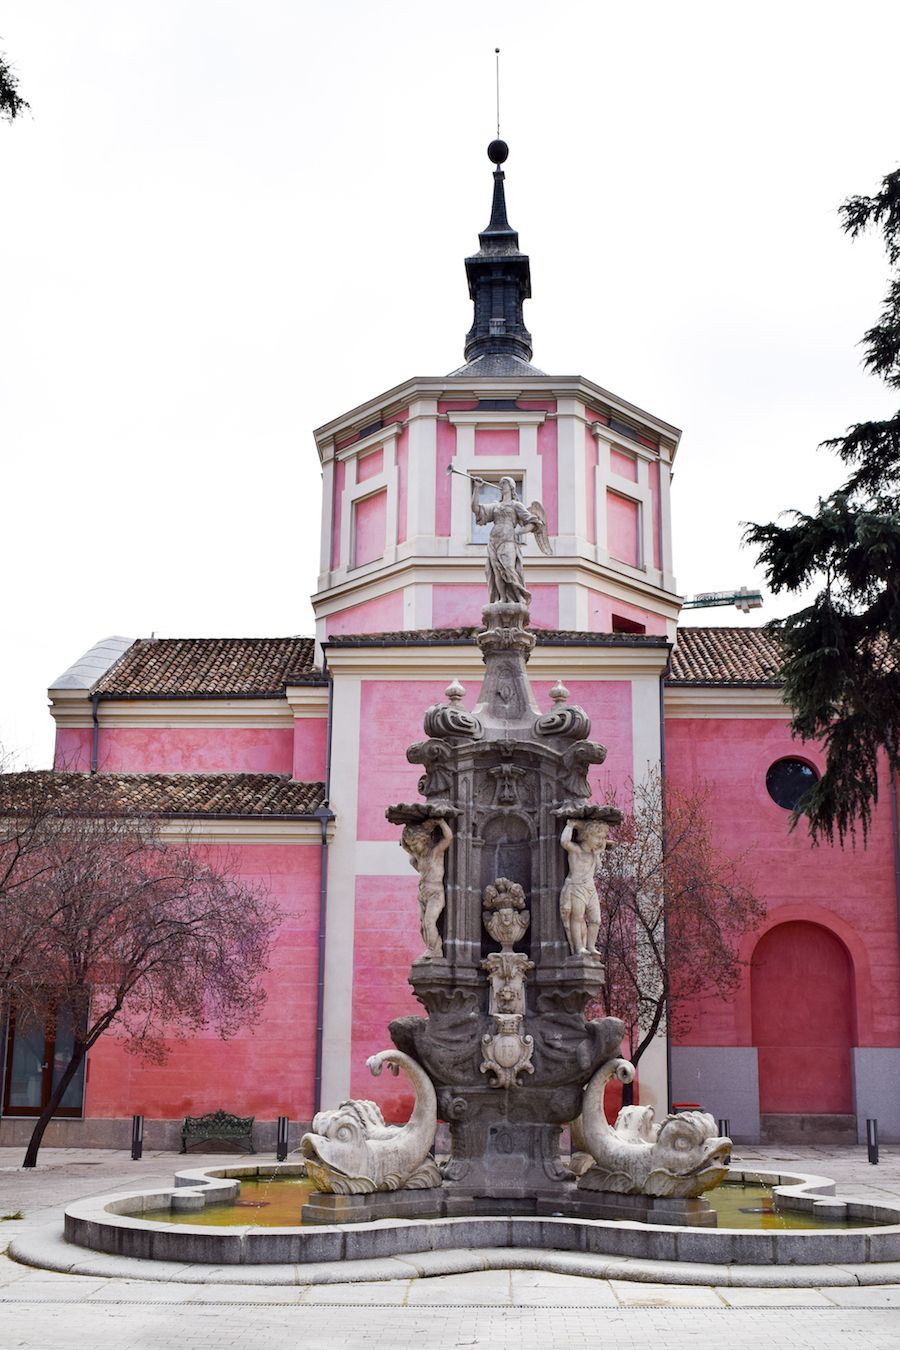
<point x="499" y="282"/>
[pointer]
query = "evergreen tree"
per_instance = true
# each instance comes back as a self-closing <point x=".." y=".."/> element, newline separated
<point x="12" y="104"/>
<point x="841" y="667"/>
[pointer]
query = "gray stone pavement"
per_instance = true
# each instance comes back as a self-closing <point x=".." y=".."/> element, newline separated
<point x="40" y="1309"/>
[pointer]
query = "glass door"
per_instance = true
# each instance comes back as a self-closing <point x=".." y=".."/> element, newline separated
<point x="35" y="1060"/>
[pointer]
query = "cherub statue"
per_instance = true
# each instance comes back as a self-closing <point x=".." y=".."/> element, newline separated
<point x="426" y="855"/>
<point x="503" y="566"/>
<point x="579" y="905"/>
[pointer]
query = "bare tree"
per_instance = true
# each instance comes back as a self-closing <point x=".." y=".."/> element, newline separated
<point x="104" y="921"/>
<point x="673" y="910"/>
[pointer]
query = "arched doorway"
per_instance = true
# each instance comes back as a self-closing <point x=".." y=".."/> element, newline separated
<point x="803" y="1010"/>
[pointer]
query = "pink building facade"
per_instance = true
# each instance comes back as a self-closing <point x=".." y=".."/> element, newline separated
<point x="815" y="1029"/>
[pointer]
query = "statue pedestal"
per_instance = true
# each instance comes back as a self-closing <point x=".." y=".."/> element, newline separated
<point x="322" y="1207"/>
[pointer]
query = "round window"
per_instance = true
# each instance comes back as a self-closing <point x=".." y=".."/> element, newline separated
<point x="788" y="779"/>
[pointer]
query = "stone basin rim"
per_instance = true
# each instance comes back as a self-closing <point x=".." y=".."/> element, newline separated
<point x="112" y="1224"/>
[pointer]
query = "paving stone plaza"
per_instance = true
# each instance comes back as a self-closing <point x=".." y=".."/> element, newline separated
<point x="522" y="1308"/>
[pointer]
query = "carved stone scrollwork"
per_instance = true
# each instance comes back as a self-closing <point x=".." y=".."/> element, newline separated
<point x="506" y="971"/>
<point x="564" y="720"/>
<point x="445" y="721"/>
<point x="437" y="780"/>
<point x="576" y="762"/>
<point x="507" y="1053"/>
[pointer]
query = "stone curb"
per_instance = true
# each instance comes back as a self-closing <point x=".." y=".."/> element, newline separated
<point x="47" y="1249"/>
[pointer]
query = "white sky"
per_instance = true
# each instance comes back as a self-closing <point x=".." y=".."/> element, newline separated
<point x="227" y="221"/>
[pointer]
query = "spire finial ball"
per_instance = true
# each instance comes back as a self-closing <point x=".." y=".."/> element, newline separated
<point x="498" y="152"/>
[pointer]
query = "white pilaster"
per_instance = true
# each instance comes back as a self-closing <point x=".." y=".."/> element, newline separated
<point x="341" y="901"/>
<point x="572" y="527"/>
<point x="421" y="468"/>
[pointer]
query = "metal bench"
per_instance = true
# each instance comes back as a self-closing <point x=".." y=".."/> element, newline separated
<point x="217" y="1125"/>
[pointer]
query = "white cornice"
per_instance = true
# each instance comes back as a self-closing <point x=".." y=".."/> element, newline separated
<point x="74" y="710"/>
<point x="533" y="386"/>
<point x="629" y="584"/>
<point x="372" y="442"/>
<point x="448" y="661"/>
<point x="244" y="830"/>
<point x="495" y="417"/>
<point x="703" y="702"/>
<point x="307" y="700"/>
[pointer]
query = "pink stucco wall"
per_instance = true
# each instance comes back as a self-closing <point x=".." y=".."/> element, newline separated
<point x="623" y="529"/>
<point x="310" y="748"/>
<point x="601" y="609"/>
<point x="625" y="466"/>
<point x="177" y="749"/>
<point x="386" y="941"/>
<point x="849" y="892"/>
<point x="265" y="1073"/>
<point x="381" y="615"/>
<point x="391" y="712"/>
<point x="369" y="525"/>
<point x="298" y="751"/>
<point x="549" y="454"/>
<point x="73" y="749"/>
<point x="370" y="465"/>
<point x="459" y="606"/>
<point x="496" y="441"/>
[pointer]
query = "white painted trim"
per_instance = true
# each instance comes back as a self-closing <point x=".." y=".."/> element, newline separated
<point x="418" y="606"/>
<point x="708" y="702"/>
<point x="447" y="661"/>
<point x="638" y="492"/>
<point x="421" y="469"/>
<point x="381" y="858"/>
<point x="307" y="700"/>
<point x="618" y="582"/>
<point x="175" y="712"/>
<point x="570" y="474"/>
<point x="247" y="830"/>
<point x="456" y="388"/>
<point x="325" y="540"/>
<point x="496" y="417"/>
<point x="645" y="729"/>
<point x="341" y="899"/>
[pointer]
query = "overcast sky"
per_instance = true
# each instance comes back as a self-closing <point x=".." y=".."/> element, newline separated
<point x="227" y="221"/>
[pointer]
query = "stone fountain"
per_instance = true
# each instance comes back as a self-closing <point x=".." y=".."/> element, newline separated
<point x="507" y="843"/>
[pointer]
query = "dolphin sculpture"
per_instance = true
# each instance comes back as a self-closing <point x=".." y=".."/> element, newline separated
<point x="351" y="1151"/>
<point x="681" y="1156"/>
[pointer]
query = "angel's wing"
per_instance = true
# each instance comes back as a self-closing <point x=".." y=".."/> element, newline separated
<point x="539" y="528"/>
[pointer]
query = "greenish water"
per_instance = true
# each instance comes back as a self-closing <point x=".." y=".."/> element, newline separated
<point x="277" y="1204"/>
<point x="271" y="1204"/>
<point x="753" y="1206"/>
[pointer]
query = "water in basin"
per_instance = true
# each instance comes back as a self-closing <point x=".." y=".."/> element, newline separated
<point x="277" y="1203"/>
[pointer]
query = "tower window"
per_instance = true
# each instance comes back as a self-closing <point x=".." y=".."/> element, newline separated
<point x="490" y="492"/>
<point x="622" y="625"/>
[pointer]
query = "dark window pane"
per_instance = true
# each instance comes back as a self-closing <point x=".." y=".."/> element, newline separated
<point x="787" y="780"/>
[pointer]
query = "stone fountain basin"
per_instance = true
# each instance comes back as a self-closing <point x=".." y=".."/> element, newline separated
<point x="113" y="1224"/>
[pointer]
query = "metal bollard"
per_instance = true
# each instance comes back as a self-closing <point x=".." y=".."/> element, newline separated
<point x="872" y="1139"/>
<point x="724" y="1128"/>
<point x="137" y="1138"/>
<point x="281" y="1146"/>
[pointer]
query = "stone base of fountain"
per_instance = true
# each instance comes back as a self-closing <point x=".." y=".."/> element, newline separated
<point x="562" y="1199"/>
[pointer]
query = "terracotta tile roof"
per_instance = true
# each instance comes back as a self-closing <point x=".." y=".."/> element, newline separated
<point x="456" y="637"/>
<point x="170" y="794"/>
<point x="208" y="668"/>
<point x="732" y="656"/>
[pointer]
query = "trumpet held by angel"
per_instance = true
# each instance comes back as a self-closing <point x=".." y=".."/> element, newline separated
<point x="508" y="518"/>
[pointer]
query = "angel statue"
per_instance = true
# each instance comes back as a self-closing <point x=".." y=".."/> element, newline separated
<point x="503" y="566"/>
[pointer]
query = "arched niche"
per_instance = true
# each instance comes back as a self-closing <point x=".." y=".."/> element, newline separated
<point x="803" y="1020"/>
